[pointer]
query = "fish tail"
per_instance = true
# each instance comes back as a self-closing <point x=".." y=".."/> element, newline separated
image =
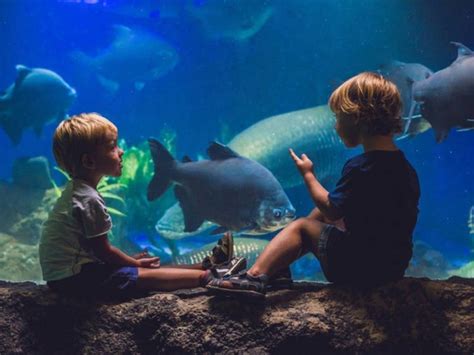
<point x="164" y="165"/>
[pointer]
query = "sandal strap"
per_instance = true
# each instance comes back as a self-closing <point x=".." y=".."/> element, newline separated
<point x="244" y="281"/>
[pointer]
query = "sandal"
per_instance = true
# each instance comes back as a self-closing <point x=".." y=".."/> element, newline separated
<point x="281" y="280"/>
<point x="223" y="252"/>
<point x="229" y="268"/>
<point x="243" y="284"/>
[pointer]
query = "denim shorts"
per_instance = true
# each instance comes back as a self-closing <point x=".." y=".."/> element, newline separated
<point x="99" y="279"/>
<point x="344" y="258"/>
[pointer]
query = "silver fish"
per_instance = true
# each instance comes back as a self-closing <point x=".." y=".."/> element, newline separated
<point x="249" y="248"/>
<point x="310" y="131"/>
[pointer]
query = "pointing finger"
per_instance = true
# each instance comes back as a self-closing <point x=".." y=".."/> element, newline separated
<point x="293" y="155"/>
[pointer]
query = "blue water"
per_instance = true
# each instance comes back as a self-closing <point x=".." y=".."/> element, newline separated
<point x="304" y="50"/>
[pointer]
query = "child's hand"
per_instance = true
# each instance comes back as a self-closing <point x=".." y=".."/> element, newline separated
<point x="304" y="164"/>
<point x="141" y="255"/>
<point x="149" y="263"/>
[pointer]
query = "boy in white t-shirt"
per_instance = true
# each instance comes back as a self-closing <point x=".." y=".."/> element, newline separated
<point x="75" y="254"/>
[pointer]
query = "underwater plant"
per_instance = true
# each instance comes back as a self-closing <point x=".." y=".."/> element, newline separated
<point x="137" y="171"/>
<point x="466" y="270"/>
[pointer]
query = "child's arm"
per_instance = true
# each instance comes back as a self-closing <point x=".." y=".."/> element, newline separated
<point x="108" y="253"/>
<point x="318" y="193"/>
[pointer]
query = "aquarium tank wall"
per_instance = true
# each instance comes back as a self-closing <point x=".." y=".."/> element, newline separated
<point x="254" y="75"/>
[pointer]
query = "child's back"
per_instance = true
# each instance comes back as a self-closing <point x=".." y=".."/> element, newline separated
<point x="378" y="196"/>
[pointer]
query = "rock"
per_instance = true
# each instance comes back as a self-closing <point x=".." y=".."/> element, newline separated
<point x="24" y="210"/>
<point x="18" y="261"/>
<point x="413" y="316"/>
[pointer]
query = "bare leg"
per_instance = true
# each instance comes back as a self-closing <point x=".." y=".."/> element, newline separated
<point x="298" y="238"/>
<point x="169" y="279"/>
<point x="197" y="266"/>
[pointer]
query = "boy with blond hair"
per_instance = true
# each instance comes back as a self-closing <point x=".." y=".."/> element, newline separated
<point x="75" y="254"/>
<point x="362" y="231"/>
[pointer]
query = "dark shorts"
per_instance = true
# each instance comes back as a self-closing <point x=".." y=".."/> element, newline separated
<point x="344" y="260"/>
<point x="99" y="279"/>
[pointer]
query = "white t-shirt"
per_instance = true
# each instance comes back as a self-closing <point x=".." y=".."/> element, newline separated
<point x="79" y="214"/>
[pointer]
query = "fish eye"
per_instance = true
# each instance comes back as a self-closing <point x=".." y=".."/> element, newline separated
<point x="277" y="213"/>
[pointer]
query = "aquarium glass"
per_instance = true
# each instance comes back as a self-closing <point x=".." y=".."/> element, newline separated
<point x="190" y="72"/>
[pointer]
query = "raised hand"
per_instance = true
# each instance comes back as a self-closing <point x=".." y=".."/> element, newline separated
<point x="304" y="164"/>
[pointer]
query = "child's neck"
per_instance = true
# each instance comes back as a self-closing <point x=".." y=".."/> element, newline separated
<point x="91" y="179"/>
<point x="379" y="142"/>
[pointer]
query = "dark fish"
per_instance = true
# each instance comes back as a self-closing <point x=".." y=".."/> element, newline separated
<point x="231" y="20"/>
<point x="446" y="97"/>
<point x="234" y="192"/>
<point x="37" y="97"/>
<point x="135" y="56"/>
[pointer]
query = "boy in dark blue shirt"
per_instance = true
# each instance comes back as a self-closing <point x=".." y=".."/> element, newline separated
<point x="362" y="231"/>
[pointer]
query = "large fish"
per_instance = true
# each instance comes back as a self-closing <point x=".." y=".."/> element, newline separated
<point x="135" y="56"/>
<point x="310" y="131"/>
<point x="446" y="97"/>
<point x="232" y="191"/>
<point x="37" y="96"/>
<point x="232" y="20"/>
<point x="403" y="75"/>
<point x="250" y="248"/>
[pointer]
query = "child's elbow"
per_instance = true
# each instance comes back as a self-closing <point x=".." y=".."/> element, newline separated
<point x="333" y="213"/>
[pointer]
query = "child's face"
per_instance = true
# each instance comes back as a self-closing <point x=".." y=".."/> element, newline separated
<point x="347" y="131"/>
<point x="108" y="158"/>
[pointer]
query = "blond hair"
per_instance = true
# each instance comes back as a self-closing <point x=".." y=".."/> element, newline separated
<point x="78" y="135"/>
<point x="370" y="102"/>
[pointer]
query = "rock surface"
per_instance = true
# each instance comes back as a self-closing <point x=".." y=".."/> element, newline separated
<point x="413" y="316"/>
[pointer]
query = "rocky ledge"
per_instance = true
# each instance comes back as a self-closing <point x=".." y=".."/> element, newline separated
<point x="413" y="316"/>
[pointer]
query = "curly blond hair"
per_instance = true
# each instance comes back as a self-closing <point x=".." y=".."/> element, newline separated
<point x="78" y="135"/>
<point x="370" y="102"/>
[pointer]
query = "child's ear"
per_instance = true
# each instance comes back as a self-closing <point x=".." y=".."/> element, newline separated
<point x="87" y="161"/>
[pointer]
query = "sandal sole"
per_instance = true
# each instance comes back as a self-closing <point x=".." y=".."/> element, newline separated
<point x="236" y="292"/>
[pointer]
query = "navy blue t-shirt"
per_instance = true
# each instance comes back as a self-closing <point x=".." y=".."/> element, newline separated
<point x="378" y="195"/>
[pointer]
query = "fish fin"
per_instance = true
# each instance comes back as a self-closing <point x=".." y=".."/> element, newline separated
<point x="139" y="85"/>
<point x="418" y="125"/>
<point x="219" y="230"/>
<point x="409" y="120"/>
<point x="218" y="151"/>
<point x="164" y="163"/>
<point x="109" y="85"/>
<point x="186" y="159"/>
<point x="462" y="49"/>
<point x="466" y="126"/>
<point x="192" y="220"/>
<point x="22" y="73"/>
